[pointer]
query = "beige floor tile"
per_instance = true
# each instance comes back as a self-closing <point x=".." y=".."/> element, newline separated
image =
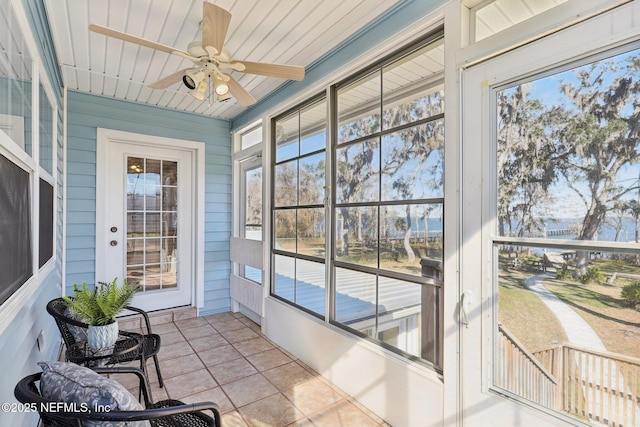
<point x="365" y="409"/>
<point x="171" y="351"/>
<point x="172" y="338"/>
<point x="341" y="414"/>
<point x="231" y="371"/>
<point x="164" y="328"/>
<point x="198" y="332"/>
<point x="233" y="419"/>
<point x="208" y="343"/>
<point x="229" y="325"/>
<point x="312" y="396"/>
<point x="271" y="411"/>
<point x="157" y="393"/>
<point x="215" y="395"/>
<point x="188" y="384"/>
<point x="224" y="358"/>
<point x="252" y="346"/>
<point x="287" y="376"/>
<point x="249" y="390"/>
<point x="219" y="318"/>
<point x="190" y="323"/>
<point x="180" y="366"/>
<point x="238" y="335"/>
<point x="304" y="422"/>
<point x="219" y="355"/>
<point x="268" y="359"/>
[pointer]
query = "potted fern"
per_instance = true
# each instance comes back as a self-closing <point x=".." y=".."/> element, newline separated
<point x="99" y="307"/>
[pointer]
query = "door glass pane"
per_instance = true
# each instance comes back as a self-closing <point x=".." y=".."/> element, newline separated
<point x="568" y="153"/>
<point x="568" y="167"/>
<point x="152" y="223"/>
<point x="253" y="204"/>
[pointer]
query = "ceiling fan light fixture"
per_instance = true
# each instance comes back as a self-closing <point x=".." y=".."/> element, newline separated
<point x="220" y="87"/>
<point x="225" y="97"/>
<point x="193" y="78"/>
<point x="200" y="91"/>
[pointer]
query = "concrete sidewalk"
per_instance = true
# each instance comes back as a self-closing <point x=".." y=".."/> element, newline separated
<point x="578" y="331"/>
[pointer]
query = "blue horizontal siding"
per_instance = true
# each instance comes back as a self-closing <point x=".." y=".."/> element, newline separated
<point x="88" y="112"/>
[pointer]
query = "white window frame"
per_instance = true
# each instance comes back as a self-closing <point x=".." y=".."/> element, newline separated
<point x="14" y="150"/>
<point x="247" y="296"/>
<point x="477" y="273"/>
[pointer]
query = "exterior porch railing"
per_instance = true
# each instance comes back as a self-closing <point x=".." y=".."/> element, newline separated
<point x="519" y="372"/>
<point x="592" y="385"/>
<point x="600" y="386"/>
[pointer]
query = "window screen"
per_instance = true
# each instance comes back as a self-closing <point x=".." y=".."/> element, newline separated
<point x="46" y="222"/>
<point x="15" y="228"/>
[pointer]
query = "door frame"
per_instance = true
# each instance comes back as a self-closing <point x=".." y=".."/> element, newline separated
<point x="481" y="402"/>
<point x="197" y="151"/>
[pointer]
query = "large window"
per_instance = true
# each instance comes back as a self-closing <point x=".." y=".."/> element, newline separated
<point x="299" y="226"/>
<point x="27" y="154"/>
<point x="383" y="227"/>
<point x="566" y="255"/>
<point x="388" y="212"/>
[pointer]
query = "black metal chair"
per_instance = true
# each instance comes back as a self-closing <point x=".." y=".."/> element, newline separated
<point x="166" y="413"/>
<point x="150" y="341"/>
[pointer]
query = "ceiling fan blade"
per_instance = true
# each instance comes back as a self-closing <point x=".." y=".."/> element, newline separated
<point x="137" y="40"/>
<point x="215" y="23"/>
<point x="169" y="80"/>
<point x="239" y="93"/>
<point x="291" y="72"/>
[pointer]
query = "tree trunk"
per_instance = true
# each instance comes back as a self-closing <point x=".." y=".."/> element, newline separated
<point x="411" y="256"/>
<point x="344" y="248"/>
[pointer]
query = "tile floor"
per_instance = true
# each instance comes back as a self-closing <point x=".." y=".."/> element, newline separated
<point x="225" y="359"/>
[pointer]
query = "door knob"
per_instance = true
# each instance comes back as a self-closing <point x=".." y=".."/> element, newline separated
<point x="113" y="243"/>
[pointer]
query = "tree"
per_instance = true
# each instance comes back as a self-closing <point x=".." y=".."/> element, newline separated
<point x="600" y="137"/>
<point x="525" y="163"/>
<point x="583" y="142"/>
<point x="406" y="154"/>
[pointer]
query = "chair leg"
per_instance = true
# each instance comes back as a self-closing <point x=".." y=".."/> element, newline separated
<point x="155" y="360"/>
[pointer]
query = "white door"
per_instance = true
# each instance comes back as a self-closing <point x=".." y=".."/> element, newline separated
<point x="146" y="220"/>
<point x="535" y="97"/>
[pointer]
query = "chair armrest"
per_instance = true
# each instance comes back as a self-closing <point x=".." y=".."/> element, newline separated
<point x="144" y="382"/>
<point x="144" y="315"/>
<point x="155" y="413"/>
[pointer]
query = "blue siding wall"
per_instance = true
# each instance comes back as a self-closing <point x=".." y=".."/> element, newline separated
<point x="19" y="351"/>
<point x="86" y="113"/>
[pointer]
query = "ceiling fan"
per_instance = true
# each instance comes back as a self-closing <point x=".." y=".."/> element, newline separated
<point x="210" y="60"/>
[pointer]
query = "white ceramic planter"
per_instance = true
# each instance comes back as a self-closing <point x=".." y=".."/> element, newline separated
<point x="103" y="336"/>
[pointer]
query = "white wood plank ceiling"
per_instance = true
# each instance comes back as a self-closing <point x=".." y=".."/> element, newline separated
<point x="273" y="31"/>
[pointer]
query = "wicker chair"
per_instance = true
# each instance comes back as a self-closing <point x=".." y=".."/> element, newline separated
<point x="166" y="413"/>
<point x="150" y="341"/>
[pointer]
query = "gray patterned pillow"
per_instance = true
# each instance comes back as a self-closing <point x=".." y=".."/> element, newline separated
<point x="70" y="383"/>
<point x="79" y="333"/>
